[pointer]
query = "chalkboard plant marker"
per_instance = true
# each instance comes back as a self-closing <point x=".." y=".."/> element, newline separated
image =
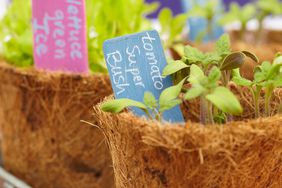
<point x="135" y="63"/>
<point x="59" y="30"/>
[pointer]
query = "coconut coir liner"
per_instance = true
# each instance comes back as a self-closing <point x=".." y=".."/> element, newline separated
<point x="246" y="153"/>
<point x="43" y="141"/>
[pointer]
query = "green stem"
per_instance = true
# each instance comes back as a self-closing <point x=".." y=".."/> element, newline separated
<point x="210" y="29"/>
<point x="210" y="113"/>
<point x="223" y="79"/>
<point x="148" y="114"/>
<point x="243" y="31"/>
<point x="203" y="110"/>
<point x="268" y="96"/>
<point x="260" y="27"/>
<point x="255" y="94"/>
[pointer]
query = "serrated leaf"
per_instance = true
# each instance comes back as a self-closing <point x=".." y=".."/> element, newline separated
<point x="242" y="81"/>
<point x="150" y="101"/>
<point x="225" y="100"/>
<point x="193" y="55"/>
<point x="196" y="74"/>
<point x="233" y="61"/>
<point x="116" y="106"/>
<point x="222" y="46"/>
<point x="174" y="67"/>
<point x="194" y="92"/>
<point x="214" y="75"/>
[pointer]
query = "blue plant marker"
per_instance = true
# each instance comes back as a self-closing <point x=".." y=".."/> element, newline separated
<point x="197" y="25"/>
<point x="135" y="63"/>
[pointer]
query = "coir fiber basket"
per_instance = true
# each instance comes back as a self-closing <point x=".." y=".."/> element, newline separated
<point x="241" y="154"/>
<point x="44" y="141"/>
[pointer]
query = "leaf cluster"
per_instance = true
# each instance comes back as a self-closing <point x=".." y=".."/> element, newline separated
<point x="267" y="77"/>
<point x="152" y="107"/>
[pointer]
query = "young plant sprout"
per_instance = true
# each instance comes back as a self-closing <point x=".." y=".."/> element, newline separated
<point x="209" y="11"/>
<point x="211" y="94"/>
<point x="172" y="27"/>
<point x="266" y="8"/>
<point x="222" y="58"/>
<point x="267" y="77"/>
<point x="152" y="107"/>
<point x="242" y="14"/>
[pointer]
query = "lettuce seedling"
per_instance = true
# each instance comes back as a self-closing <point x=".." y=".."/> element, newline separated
<point x="211" y="94"/>
<point x="208" y="11"/>
<point x="242" y="14"/>
<point x="16" y="35"/>
<point x="105" y="19"/>
<point x="111" y="18"/>
<point x="172" y="27"/>
<point x="267" y="77"/>
<point x="152" y="107"/>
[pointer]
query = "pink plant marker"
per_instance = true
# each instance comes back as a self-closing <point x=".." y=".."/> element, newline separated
<point x="59" y="32"/>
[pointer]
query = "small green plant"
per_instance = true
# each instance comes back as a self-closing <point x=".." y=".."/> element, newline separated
<point x="267" y="77"/>
<point x="151" y="106"/>
<point x="16" y="34"/>
<point x="266" y="8"/>
<point x="209" y="11"/>
<point x="241" y="14"/>
<point x="221" y="57"/>
<point x="172" y="27"/>
<point x="211" y="94"/>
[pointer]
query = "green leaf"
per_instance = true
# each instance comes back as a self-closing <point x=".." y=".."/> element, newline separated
<point x="165" y="18"/>
<point x="225" y="100"/>
<point x="150" y="101"/>
<point x="169" y="105"/>
<point x="233" y="61"/>
<point x="193" y="55"/>
<point x="116" y="106"/>
<point x="222" y="46"/>
<point x="196" y="74"/>
<point x="174" y="67"/>
<point x="214" y="75"/>
<point x="170" y="94"/>
<point x="242" y="81"/>
<point x="151" y="8"/>
<point x="194" y="92"/>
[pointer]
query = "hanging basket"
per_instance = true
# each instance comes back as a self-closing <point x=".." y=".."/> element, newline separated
<point x="44" y="141"/>
<point x="244" y="153"/>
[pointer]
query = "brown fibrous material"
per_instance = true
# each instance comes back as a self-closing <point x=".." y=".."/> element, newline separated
<point x="244" y="153"/>
<point x="44" y="141"/>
